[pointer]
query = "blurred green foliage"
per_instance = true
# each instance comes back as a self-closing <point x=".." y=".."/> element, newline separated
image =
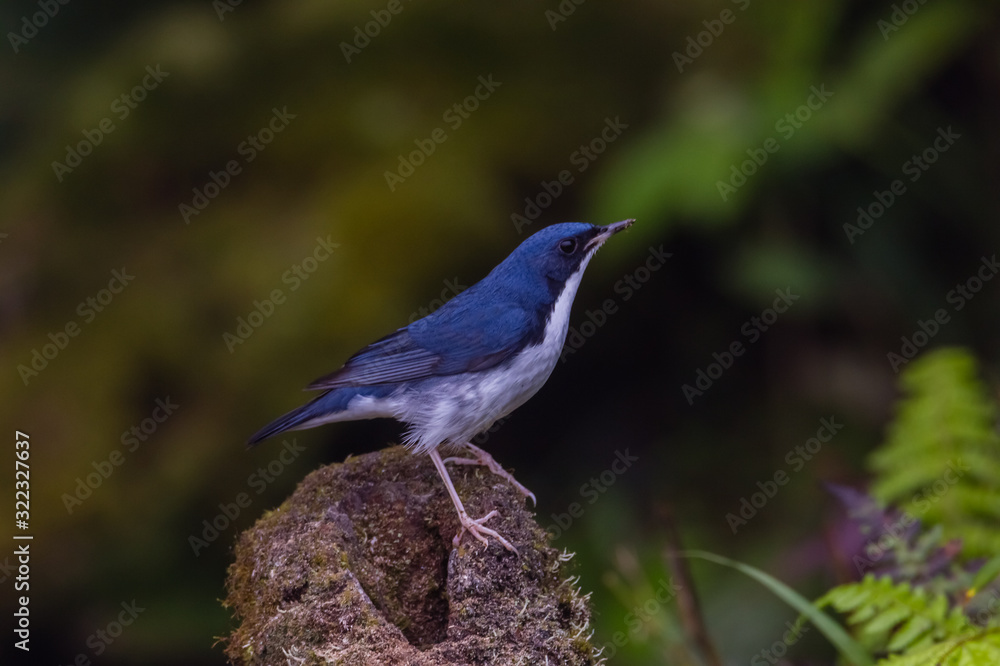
<point x="895" y="619"/>
<point x="323" y="176"/>
<point x="941" y="462"/>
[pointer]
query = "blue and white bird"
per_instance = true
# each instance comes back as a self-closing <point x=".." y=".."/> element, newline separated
<point x="454" y="373"/>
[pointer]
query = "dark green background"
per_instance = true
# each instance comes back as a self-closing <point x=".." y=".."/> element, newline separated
<point x="447" y="224"/>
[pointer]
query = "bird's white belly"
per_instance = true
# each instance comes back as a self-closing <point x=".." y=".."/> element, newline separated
<point x="459" y="407"/>
<point x="456" y="408"/>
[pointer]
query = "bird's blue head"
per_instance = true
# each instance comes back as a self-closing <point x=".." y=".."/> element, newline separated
<point x="558" y="252"/>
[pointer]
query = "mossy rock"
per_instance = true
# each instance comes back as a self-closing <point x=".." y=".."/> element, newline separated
<point x="357" y="567"/>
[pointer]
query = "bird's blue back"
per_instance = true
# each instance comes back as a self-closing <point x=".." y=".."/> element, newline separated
<point x="479" y="328"/>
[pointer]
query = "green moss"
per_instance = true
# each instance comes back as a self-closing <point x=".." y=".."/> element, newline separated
<point x="357" y="567"/>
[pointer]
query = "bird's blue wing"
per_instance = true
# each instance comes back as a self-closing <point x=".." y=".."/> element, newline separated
<point x="394" y="358"/>
<point x="449" y="341"/>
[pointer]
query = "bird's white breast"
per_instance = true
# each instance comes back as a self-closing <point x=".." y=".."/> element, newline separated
<point x="460" y="406"/>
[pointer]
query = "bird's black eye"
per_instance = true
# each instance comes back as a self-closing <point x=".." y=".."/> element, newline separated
<point x="567" y="245"/>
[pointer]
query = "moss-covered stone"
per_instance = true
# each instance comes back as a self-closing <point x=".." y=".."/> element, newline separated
<point x="357" y="567"/>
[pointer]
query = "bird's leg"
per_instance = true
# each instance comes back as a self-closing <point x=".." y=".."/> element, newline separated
<point x="485" y="459"/>
<point x="473" y="526"/>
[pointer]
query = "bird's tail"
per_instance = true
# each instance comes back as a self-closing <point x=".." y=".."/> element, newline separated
<point x="289" y="421"/>
<point x="334" y="405"/>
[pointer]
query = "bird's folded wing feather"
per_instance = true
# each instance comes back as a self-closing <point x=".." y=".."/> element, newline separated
<point x="449" y="341"/>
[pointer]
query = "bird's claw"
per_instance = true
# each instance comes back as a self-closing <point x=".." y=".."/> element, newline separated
<point x="474" y="526"/>
<point x="486" y="460"/>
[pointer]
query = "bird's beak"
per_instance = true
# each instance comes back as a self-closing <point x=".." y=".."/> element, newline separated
<point x="607" y="232"/>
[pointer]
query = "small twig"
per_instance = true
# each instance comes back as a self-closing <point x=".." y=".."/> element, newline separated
<point x="687" y="601"/>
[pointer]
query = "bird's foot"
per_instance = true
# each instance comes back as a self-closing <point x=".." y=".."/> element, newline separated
<point x="474" y="526"/>
<point x="486" y="460"/>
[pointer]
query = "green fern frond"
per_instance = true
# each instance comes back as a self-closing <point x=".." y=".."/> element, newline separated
<point x="980" y="649"/>
<point x="941" y="459"/>
<point x="894" y="617"/>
